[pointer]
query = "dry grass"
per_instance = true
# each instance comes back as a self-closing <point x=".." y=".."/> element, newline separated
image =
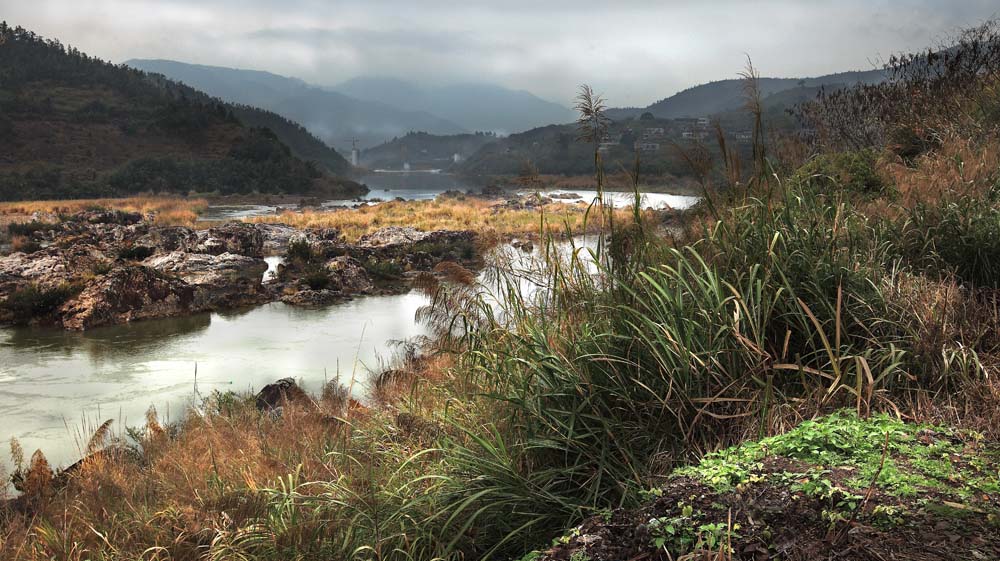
<point x="210" y="476"/>
<point x="961" y="166"/>
<point x="485" y="217"/>
<point x="170" y="211"/>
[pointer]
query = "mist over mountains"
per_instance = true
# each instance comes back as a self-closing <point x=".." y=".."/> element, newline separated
<point x="371" y="110"/>
<point x="475" y="106"/>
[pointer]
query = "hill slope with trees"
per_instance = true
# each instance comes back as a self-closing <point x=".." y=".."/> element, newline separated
<point x="72" y="125"/>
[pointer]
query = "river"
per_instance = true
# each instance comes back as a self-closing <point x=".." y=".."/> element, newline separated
<point x="417" y="186"/>
<point x="55" y="386"/>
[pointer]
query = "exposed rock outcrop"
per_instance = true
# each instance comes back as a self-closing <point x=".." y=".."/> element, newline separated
<point x="49" y="267"/>
<point x="233" y="237"/>
<point x="127" y="293"/>
<point x="348" y="275"/>
<point x="219" y="281"/>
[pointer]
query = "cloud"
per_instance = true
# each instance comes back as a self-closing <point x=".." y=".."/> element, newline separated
<point x="635" y="51"/>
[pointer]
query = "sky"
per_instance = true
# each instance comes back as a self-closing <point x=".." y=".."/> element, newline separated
<point x="634" y="52"/>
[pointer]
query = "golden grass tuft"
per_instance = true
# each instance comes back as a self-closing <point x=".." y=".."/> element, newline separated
<point x="960" y="166"/>
<point x="170" y="211"/>
<point x="446" y="213"/>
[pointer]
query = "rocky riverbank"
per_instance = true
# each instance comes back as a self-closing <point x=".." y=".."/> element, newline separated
<point x="103" y="267"/>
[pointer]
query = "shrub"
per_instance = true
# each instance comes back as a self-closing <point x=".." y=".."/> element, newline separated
<point x="34" y="302"/>
<point x="317" y="278"/>
<point x="960" y="236"/>
<point x="850" y="171"/>
<point x="383" y="269"/>
<point x="28" y="228"/>
<point x="24" y="244"/>
<point x="135" y="252"/>
<point x="300" y="251"/>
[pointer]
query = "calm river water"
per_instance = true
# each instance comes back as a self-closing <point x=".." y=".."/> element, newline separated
<point x="55" y="386"/>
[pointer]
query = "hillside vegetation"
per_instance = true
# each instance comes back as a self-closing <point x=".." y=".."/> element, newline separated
<point x="75" y="126"/>
<point x="841" y="293"/>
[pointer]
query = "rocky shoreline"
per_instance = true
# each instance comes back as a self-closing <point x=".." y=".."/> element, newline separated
<point x="104" y="267"/>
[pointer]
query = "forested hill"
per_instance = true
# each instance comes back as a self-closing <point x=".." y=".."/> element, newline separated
<point x="72" y="125"/>
<point x="726" y="95"/>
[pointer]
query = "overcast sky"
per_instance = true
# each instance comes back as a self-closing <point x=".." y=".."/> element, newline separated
<point x="636" y="52"/>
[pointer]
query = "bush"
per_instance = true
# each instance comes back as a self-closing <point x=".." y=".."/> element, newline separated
<point x="317" y="278"/>
<point x="33" y="302"/>
<point x="383" y="269"/>
<point x="959" y="236"/>
<point x="28" y="228"/>
<point x="24" y="244"/>
<point x="300" y="251"/>
<point x="135" y="252"/>
<point x="849" y="171"/>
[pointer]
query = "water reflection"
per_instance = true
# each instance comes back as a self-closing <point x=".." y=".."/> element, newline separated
<point x="49" y="378"/>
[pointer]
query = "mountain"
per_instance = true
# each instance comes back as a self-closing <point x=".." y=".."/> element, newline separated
<point x="425" y="151"/>
<point x="336" y="118"/>
<point x="73" y="126"/>
<point x="727" y="95"/>
<point x="479" y="107"/>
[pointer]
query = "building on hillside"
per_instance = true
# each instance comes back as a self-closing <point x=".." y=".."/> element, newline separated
<point x="456" y="158"/>
<point x="653" y="133"/>
<point x="608" y="142"/>
<point x="743" y="137"/>
<point x="644" y="146"/>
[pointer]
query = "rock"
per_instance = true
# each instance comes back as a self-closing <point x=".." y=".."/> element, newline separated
<point x="168" y="238"/>
<point x="127" y="293"/>
<point x="393" y="235"/>
<point x="232" y="237"/>
<point x="49" y="267"/>
<point x="276" y="394"/>
<point x="219" y="281"/>
<point x="107" y="216"/>
<point x="312" y="298"/>
<point x="349" y="275"/>
<point x="277" y="237"/>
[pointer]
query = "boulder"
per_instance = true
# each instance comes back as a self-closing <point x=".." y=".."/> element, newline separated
<point x="393" y="236"/>
<point x="277" y="237"/>
<point x="414" y="250"/>
<point x="312" y="298"/>
<point x="168" y="238"/>
<point x="127" y="293"/>
<point x="219" y="281"/>
<point x="276" y="394"/>
<point x="349" y="275"/>
<point x="232" y="237"/>
<point x="107" y="216"/>
<point x="49" y="267"/>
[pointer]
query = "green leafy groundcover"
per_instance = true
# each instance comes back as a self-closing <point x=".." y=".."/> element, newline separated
<point x="837" y="485"/>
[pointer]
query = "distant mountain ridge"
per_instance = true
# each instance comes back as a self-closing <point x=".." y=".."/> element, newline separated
<point x="475" y="106"/>
<point x="336" y="118"/>
<point x="726" y="95"/>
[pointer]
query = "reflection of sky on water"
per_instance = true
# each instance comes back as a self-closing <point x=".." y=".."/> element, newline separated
<point x="51" y="375"/>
